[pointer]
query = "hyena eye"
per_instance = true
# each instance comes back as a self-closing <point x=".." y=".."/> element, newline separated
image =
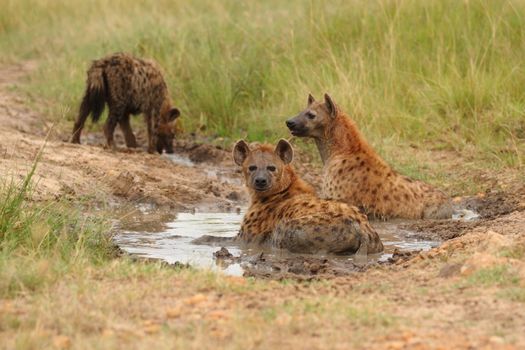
<point x="271" y="168"/>
<point x="252" y="168"/>
<point x="310" y="115"/>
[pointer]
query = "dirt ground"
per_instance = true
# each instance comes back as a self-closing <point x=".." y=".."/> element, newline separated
<point x="466" y="294"/>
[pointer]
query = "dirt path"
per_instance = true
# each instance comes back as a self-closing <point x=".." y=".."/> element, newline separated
<point x="468" y="293"/>
<point x="77" y="171"/>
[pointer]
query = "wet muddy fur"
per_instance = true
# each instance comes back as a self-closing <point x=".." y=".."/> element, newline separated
<point x="129" y="86"/>
<point x="285" y="212"/>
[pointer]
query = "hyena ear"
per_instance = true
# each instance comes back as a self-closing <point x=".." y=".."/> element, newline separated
<point x="332" y="108"/>
<point x="284" y="150"/>
<point x="311" y="100"/>
<point x="174" y="114"/>
<point x="240" y="152"/>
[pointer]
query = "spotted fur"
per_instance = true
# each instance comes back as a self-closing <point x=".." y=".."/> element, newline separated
<point x="355" y="174"/>
<point x="285" y="212"/>
<point x="128" y="85"/>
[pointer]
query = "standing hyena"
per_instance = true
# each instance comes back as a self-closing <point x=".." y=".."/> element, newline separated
<point x="128" y="85"/>
<point x="286" y="213"/>
<point x="354" y="173"/>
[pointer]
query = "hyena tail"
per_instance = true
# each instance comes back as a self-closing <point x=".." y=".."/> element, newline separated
<point x="93" y="101"/>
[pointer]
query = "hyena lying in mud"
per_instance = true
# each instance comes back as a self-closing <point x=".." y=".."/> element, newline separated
<point x="355" y="174"/>
<point x="128" y="85"/>
<point x="285" y="212"/>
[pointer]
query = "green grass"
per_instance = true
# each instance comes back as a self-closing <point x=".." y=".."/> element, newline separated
<point x="513" y="294"/>
<point x="499" y="275"/>
<point x="514" y="252"/>
<point x="42" y="242"/>
<point x="443" y="73"/>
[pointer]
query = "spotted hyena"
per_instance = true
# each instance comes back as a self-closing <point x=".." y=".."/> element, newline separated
<point x="355" y="174"/>
<point x="285" y="212"/>
<point x="128" y="85"/>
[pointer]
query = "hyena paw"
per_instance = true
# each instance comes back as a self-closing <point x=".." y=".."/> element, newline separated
<point x="112" y="148"/>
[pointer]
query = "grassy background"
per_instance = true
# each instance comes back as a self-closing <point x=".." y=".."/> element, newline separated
<point x="442" y="72"/>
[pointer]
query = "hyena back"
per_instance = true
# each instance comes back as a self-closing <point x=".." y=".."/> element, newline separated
<point x="129" y="86"/>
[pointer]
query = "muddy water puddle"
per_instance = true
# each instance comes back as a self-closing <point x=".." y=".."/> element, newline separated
<point x="169" y="237"/>
<point x="172" y="241"/>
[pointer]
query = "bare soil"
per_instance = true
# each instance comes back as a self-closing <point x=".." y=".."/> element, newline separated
<point x="435" y="299"/>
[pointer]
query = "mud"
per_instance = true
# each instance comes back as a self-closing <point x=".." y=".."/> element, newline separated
<point x="199" y="152"/>
<point x="300" y="267"/>
<point x="489" y="206"/>
<point x="493" y="204"/>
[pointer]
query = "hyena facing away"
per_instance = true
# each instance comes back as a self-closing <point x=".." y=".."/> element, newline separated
<point x="128" y="85"/>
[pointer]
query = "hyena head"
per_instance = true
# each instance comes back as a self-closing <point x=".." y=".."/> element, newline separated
<point x="264" y="167"/>
<point x="166" y="130"/>
<point x="315" y="119"/>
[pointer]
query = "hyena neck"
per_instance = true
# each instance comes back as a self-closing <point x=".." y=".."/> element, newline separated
<point x="342" y="137"/>
<point x="323" y="147"/>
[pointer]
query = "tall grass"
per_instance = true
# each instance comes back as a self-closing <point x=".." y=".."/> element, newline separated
<point x="446" y="72"/>
<point x="39" y="242"/>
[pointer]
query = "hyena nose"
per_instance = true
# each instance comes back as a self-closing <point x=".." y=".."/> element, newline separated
<point x="261" y="182"/>
<point x="290" y="124"/>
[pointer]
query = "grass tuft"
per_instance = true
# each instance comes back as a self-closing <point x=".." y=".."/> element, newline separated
<point x="500" y="275"/>
<point x="40" y="242"/>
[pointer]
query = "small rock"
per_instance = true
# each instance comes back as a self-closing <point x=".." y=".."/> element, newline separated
<point x="218" y="314"/>
<point x="152" y="329"/>
<point x="497" y="340"/>
<point x="395" y="345"/>
<point x="223" y="253"/>
<point x="123" y="183"/>
<point x="283" y="319"/>
<point x="174" y="312"/>
<point x="196" y="299"/>
<point x="62" y="342"/>
<point x="233" y="196"/>
<point x="107" y="333"/>
<point x="450" y="270"/>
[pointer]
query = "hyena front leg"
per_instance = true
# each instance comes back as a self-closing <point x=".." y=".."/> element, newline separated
<point x="152" y="132"/>
<point x="125" y="126"/>
<point x="109" y="127"/>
